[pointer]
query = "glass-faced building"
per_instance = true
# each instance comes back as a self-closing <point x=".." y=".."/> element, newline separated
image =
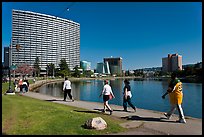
<point x="115" y="65"/>
<point x="85" y="65"/>
<point x="47" y="37"/>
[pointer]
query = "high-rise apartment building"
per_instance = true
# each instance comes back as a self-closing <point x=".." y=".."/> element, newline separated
<point x="47" y="37"/>
<point x="115" y="65"/>
<point x="172" y="63"/>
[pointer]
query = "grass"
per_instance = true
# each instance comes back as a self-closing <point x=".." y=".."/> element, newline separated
<point x="23" y="115"/>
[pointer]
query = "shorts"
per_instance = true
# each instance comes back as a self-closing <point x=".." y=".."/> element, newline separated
<point x="105" y="98"/>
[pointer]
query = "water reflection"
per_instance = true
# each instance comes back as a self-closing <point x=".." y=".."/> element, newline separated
<point x="146" y="94"/>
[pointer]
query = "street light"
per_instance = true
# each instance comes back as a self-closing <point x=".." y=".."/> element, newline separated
<point x="9" y="90"/>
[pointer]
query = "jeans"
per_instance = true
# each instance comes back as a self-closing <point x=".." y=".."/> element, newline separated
<point x="128" y="100"/>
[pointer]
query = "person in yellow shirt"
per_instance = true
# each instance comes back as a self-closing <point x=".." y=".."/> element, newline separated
<point x="176" y="98"/>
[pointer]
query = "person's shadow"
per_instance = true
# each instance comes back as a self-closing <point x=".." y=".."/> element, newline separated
<point x="147" y="119"/>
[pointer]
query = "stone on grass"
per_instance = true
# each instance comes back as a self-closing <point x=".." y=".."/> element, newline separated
<point x="96" y="123"/>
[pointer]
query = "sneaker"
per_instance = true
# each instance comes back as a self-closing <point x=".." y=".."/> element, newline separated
<point x="64" y="100"/>
<point x="135" y="109"/>
<point x="181" y="121"/>
<point x="72" y="100"/>
<point x="103" y="111"/>
<point x="125" y="110"/>
<point x="111" y="111"/>
<point x="167" y="116"/>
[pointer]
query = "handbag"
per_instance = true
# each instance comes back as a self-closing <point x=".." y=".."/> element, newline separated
<point x="110" y="97"/>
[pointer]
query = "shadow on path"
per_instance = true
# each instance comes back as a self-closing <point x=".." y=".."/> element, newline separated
<point x="147" y="119"/>
<point x="87" y="111"/>
<point x="51" y="100"/>
<point x="120" y="110"/>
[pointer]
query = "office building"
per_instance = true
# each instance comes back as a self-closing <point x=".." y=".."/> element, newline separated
<point x="47" y="37"/>
<point x="172" y="63"/>
<point x="100" y="68"/>
<point x="6" y="57"/>
<point x="85" y="65"/>
<point x="106" y="68"/>
<point x="115" y="65"/>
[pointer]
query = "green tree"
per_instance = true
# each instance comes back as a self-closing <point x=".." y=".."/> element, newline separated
<point x="87" y="73"/>
<point x="36" y="67"/>
<point x="51" y="69"/>
<point x="64" y="69"/>
<point x="76" y="72"/>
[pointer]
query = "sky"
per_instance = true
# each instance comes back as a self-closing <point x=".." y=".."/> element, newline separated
<point x="142" y="33"/>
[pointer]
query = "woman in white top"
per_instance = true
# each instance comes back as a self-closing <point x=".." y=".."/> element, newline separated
<point x="67" y="89"/>
<point x="107" y="91"/>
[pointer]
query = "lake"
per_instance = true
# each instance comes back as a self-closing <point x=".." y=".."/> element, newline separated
<point x="146" y="94"/>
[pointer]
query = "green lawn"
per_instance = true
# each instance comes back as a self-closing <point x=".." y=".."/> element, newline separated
<point x="23" y="115"/>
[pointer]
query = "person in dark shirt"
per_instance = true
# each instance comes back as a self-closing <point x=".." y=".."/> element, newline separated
<point x="127" y="96"/>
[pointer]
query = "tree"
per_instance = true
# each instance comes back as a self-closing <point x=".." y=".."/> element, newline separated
<point x="51" y="68"/>
<point x="64" y="69"/>
<point x="24" y="69"/>
<point x="37" y="67"/>
<point x="76" y="71"/>
<point x="87" y="73"/>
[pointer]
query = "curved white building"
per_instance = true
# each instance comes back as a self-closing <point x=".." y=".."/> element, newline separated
<point x="48" y="37"/>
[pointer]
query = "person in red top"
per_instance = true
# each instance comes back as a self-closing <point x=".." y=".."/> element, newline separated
<point x="20" y="84"/>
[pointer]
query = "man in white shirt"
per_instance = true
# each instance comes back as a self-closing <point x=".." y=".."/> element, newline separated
<point x="67" y="89"/>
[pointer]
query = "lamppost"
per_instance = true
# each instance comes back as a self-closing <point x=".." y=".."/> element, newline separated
<point x="9" y="90"/>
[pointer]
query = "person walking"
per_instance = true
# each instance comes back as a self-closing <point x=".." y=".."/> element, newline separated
<point x="127" y="96"/>
<point x="15" y="85"/>
<point x="24" y="86"/>
<point x="176" y="97"/>
<point x="67" y="89"/>
<point x="20" y="83"/>
<point x="107" y="92"/>
<point x="27" y="88"/>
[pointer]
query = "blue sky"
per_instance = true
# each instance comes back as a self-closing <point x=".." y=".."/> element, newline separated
<point x="142" y="33"/>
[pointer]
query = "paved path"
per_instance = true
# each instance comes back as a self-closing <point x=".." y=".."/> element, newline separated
<point x="142" y="122"/>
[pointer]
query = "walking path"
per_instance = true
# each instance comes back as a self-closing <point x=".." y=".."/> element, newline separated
<point x="142" y="122"/>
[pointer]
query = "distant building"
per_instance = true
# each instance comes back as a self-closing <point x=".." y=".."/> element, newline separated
<point x="103" y="68"/>
<point x="6" y="57"/>
<point x="100" y="68"/>
<point x="107" y="68"/>
<point x="172" y="63"/>
<point x="115" y="65"/>
<point x="85" y="65"/>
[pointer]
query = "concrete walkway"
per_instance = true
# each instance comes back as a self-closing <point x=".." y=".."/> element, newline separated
<point x="142" y="122"/>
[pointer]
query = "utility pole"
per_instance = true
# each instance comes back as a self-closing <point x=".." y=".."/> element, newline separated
<point x="10" y="90"/>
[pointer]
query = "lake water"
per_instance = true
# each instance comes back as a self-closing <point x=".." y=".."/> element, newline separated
<point x="146" y="94"/>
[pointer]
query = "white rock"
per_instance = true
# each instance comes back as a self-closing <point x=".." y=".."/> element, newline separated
<point x="96" y="123"/>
